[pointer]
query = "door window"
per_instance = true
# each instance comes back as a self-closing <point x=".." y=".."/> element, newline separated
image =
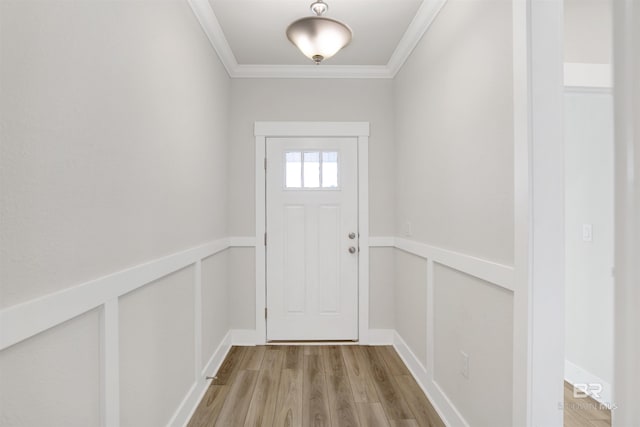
<point x="312" y="170"/>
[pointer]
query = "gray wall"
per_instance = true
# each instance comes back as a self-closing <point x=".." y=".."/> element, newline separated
<point x="454" y="186"/>
<point x="454" y="133"/>
<point x="113" y="153"/>
<point x="588" y="31"/>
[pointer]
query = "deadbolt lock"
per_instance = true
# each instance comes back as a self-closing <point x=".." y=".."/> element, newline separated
<point x="352" y="235"/>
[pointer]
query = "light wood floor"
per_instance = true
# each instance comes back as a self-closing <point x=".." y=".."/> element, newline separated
<point x="314" y="386"/>
<point x="583" y="412"/>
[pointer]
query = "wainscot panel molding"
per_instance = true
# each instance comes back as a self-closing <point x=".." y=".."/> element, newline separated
<point x="493" y="272"/>
<point x="497" y="274"/>
<point x="25" y="320"/>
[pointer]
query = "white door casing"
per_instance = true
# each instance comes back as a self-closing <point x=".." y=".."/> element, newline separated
<point x="265" y="130"/>
<point x="312" y="239"/>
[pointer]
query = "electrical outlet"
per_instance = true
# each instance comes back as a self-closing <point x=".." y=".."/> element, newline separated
<point x="587" y="232"/>
<point x="464" y="364"/>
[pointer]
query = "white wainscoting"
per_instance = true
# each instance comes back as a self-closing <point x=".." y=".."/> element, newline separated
<point x="23" y="321"/>
<point x="27" y="319"/>
<point x="495" y="273"/>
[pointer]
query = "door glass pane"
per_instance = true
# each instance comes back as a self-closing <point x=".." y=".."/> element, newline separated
<point x="293" y="172"/>
<point x="330" y="169"/>
<point x="311" y="170"/>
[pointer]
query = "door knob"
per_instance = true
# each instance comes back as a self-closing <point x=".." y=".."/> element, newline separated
<point x="352" y="235"/>
<point x="352" y="250"/>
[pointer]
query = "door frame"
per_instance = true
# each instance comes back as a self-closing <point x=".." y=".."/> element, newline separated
<point x="539" y="297"/>
<point x="626" y="65"/>
<point x="538" y="90"/>
<point x="359" y="130"/>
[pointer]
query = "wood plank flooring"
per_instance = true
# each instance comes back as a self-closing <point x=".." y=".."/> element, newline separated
<point x="334" y="386"/>
<point x="314" y="386"/>
<point x="583" y="412"/>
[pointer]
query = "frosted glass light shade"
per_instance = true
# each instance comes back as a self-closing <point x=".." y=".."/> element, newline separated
<point x="319" y="38"/>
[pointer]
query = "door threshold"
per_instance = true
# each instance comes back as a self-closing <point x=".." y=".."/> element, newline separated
<point x="313" y="342"/>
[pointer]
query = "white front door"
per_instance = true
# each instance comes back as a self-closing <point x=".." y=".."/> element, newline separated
<point x="312" y="239"/>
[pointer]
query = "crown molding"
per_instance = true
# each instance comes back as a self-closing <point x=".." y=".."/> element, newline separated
<point x="425" y="15"/>
<point x="209" y="23"/>
<point x="313" y="71"/>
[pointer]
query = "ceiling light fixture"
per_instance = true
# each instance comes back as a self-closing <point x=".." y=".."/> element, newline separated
<point x="319" y="37"/>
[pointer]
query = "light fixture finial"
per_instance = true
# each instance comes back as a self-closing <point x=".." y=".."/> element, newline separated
<point x="319" y="7"/>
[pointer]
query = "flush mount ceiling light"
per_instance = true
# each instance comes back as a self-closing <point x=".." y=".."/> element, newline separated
<point x="318" y="37"/>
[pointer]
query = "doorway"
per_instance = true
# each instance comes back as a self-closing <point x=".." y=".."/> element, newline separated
<point x="589" y="249"/>
<point x="315" y="139"/>
<point x="312" y="239"/>
<point x="589" y="213"/>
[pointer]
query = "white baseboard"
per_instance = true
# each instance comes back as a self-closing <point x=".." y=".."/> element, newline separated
<point x="243" y="337"/>
<point x="190" y="402"/>
<point x="441" y="403"/>
<point x="410" y="359"/>
<point x="381" y="336"/>
<point x="574" y="374"/>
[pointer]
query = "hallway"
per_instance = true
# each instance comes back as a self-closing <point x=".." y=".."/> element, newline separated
<point x="134" y="196"/>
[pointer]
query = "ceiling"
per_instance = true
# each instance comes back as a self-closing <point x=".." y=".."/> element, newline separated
<point x="249" y="35"/>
